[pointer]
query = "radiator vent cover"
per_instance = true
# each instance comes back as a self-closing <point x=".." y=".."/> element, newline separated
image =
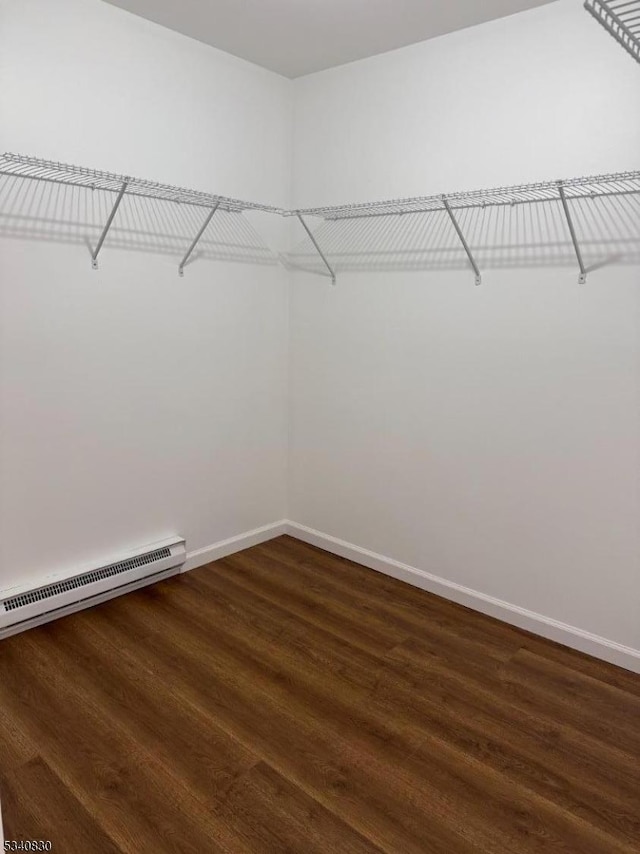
<point x="84" y="579"/>
<point x="57" y="595"/>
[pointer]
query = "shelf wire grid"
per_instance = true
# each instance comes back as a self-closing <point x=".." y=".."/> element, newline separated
<point x="94" y="179"/>
<point x="505" y="226"/>
<point x="501" y="235"/>
<point x="621" y="18"/>
<point x="616" y="184"/>
<point x="71" y="205"/>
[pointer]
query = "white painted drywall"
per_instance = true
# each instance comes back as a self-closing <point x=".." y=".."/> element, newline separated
<point x="489" y="436"/>
<point x="134" y="404"/>
<point x="540" y="95"/>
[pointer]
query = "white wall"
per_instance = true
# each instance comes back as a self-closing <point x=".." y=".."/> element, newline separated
<point x="540" y="95"/>
<point x="490" y="435"/>
<point x="133" y="404"/>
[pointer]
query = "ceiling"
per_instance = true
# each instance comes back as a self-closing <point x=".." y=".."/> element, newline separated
<point x="296" y="37"/>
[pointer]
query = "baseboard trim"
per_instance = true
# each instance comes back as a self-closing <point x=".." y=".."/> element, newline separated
<point x="568" y="635"/>
<point x="199" y="557"/>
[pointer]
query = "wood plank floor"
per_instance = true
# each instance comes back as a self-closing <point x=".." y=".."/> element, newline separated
<point x="285" y="700"/>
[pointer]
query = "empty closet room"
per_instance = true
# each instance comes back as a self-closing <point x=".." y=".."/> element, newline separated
<point x="320" y="426"/>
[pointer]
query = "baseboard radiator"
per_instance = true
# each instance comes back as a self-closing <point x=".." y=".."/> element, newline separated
<point x="58" y="595"/>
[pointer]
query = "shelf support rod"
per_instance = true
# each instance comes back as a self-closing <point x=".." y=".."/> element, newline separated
<point x="582" y="278"/>
<point x="196" y="239"/>
<point x="319" y="251"/>
<point x="105" y="230"/>
<point x="472" y="260"/>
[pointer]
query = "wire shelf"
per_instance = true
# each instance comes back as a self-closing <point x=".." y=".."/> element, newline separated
<point x="621" y="18"/>
<point x="527" y="223"/>
<point x="95" y="179"/>
<point x="49" y="200"/>
<point x="552" y="222"/>
<point x="607" y="230"/>
<point x="617" y="184"/>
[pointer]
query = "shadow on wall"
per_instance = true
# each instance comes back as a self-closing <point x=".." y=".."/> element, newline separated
<point x="519" y="235"/>
<point x="44" y="211"/>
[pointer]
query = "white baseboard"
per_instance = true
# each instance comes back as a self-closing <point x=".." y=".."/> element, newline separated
<point x="233" y="544"/>
<point x="570" y="636"/>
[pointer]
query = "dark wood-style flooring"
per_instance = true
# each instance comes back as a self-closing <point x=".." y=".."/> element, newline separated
<point x="285" y="700"/>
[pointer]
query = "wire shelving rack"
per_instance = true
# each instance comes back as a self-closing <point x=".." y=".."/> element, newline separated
<point x="450" y="209"/>
<point x="563" y="192"/>
<point x="617" y="184"/>
<point x="21" y="166"/>
<point x="95" y="179"/>
<point x="621" y="18"/>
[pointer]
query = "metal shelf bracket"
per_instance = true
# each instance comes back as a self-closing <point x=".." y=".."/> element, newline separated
<point x="582" y="278"/>
<point x="105" y="230"/>
<point x="196" y="239"/>
<point x="472" y="260"/>
<point x="319" y="251"/>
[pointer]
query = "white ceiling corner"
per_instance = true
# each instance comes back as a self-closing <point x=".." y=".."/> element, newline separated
<point x="296" y="37"/>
